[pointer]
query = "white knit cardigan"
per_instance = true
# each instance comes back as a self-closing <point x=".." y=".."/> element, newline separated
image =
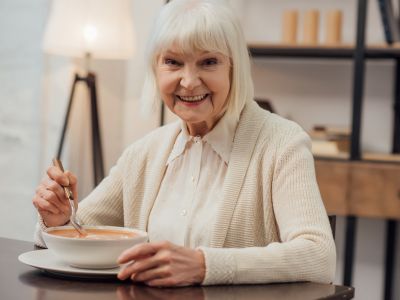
<point x="272" y="225"/>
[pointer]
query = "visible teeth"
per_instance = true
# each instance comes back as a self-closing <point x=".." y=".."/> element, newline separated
<point x="192" y="98"/>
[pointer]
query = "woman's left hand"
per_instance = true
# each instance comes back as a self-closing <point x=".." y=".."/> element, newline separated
<point x="162" y="264"/>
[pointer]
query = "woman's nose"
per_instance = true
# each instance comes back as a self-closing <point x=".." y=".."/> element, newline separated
<point x="190" y="79"/>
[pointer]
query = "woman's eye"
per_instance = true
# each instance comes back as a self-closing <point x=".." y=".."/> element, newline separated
<point x="171" y="62"/>
<point x="210" y="62"/>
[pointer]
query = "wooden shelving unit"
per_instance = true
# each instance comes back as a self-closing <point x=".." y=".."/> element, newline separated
<point x="338" y="168"/>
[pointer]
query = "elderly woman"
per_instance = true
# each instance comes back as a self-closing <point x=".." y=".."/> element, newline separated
<point x="228" y="193"/>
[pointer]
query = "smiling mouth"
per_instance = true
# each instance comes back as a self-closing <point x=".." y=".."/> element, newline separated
<point x="192" y="99"/>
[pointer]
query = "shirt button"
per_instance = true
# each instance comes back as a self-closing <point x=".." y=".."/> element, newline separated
<point x="192" y="178"/>
<point x="183" y="212"/>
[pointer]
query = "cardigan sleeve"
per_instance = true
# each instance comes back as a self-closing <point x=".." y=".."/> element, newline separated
<point x="306" y="250"/>
<point x="104" y="205"/>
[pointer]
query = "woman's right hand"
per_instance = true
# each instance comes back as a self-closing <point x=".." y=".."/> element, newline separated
<point x="50" y="199"/>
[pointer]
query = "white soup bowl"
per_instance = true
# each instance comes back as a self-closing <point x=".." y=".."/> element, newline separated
<point x="98" y="253"/>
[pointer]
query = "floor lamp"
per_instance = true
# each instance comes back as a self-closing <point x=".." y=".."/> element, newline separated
<point x="89" y="29"/>
<point x="97" y="153"/>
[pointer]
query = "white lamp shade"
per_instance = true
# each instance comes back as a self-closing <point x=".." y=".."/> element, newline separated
<point x="102" y="28"/>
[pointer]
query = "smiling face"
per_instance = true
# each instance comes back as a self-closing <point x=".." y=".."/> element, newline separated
<point x="194" y="86"/>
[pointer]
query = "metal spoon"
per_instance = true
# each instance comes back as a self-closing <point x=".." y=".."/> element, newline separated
<point x="68" y="193"/>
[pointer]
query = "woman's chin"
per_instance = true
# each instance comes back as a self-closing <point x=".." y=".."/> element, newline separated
<point x="193" y="114"/>
<point x="192" y="119"/>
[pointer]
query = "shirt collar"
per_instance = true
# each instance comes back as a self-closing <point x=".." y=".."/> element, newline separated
<point x="180" y="143"/>
<point x="220" y="138"/>
<point x="222" y="135"/>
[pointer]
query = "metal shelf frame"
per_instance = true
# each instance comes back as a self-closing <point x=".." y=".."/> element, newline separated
<point x="278" y="51"/>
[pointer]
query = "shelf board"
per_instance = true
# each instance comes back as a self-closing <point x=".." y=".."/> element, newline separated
<point x="336" y="157"/>
<point x="366" y="157"/>
<point x="321" y="51"/>
<point x="378" y="157"/>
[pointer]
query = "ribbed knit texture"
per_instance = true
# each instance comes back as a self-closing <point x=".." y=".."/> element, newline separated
<point x="272" y="225"/>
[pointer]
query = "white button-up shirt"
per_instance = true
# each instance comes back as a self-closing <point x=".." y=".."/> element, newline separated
<point x="190" y="193"/>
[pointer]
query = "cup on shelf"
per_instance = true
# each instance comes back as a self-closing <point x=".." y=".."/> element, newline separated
<point x="289" y="27"/>
<point x="311" y="27"/>
<point x="333" y="27"/>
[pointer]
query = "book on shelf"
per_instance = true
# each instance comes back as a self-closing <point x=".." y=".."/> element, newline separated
<point x="330" y="141"/>
<point x="324" y="148"/>
<point x="389" y="21"/>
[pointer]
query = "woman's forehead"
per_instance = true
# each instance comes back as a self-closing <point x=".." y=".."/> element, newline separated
<point x="178" y="49"/>
<point x="194" y="52"/>
<point x="191" y="45"/>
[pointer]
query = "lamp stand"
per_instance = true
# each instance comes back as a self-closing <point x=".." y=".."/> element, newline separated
<point x="98" y="168"/>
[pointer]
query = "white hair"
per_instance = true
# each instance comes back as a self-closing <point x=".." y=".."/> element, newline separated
<point x="205" y="25"/>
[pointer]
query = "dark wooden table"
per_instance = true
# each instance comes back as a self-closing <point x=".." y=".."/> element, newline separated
<point x="19" y="281"/>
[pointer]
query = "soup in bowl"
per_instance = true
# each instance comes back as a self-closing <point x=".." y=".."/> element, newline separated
<point x="99" y="249"/>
